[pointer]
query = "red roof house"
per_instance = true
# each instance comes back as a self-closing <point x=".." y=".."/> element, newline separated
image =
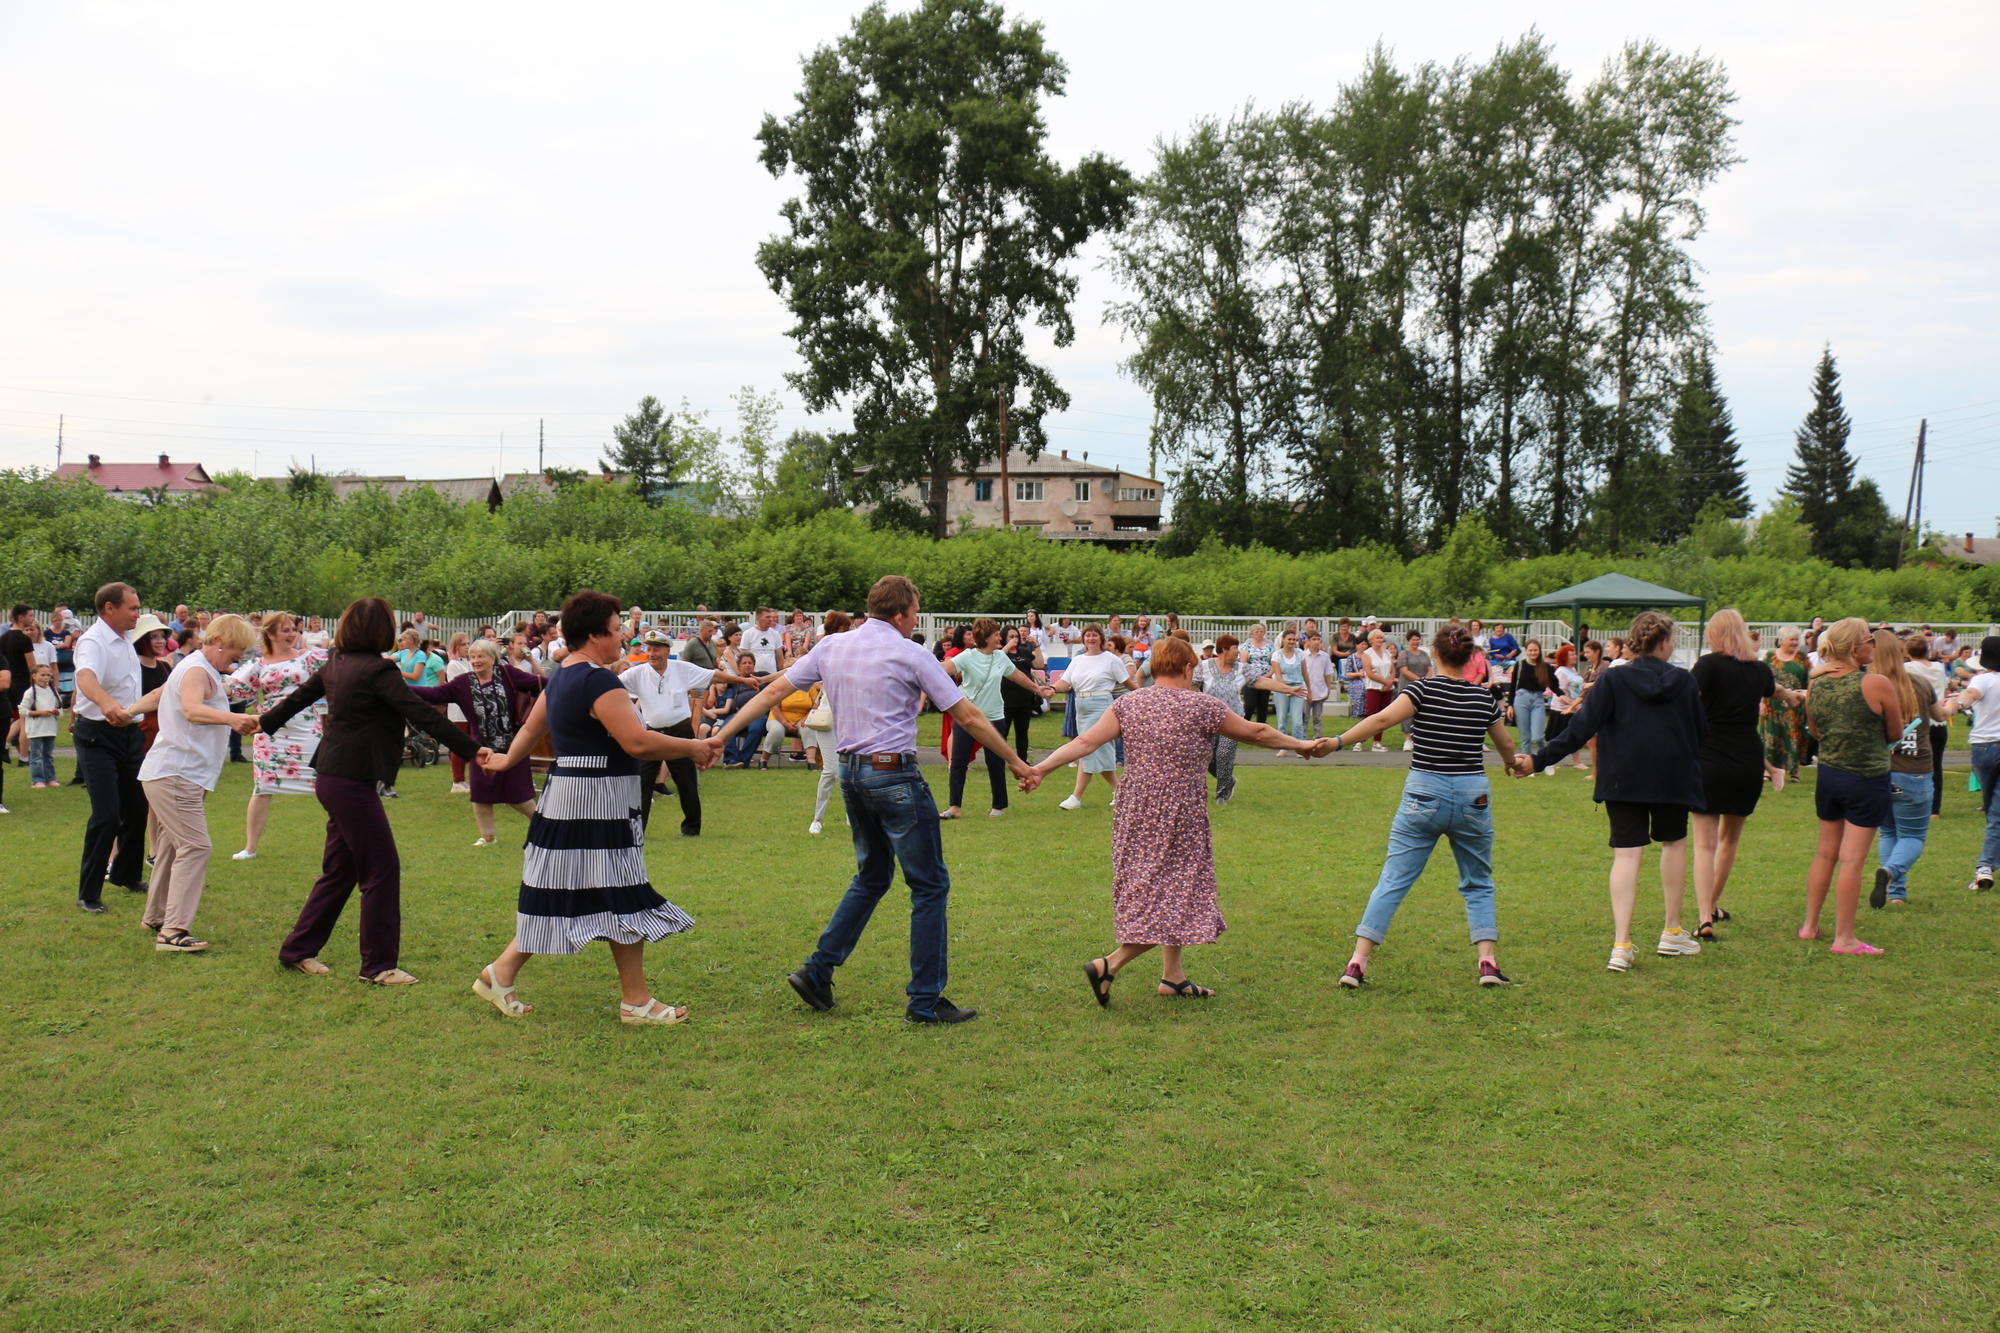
<point x="136" y="478"/>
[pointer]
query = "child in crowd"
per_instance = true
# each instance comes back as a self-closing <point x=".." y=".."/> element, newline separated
<point x="1319" y="682"/>
<point x="41" y="710"/>
<point x="1355" y="680"/>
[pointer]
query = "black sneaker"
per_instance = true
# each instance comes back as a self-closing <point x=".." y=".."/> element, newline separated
<point x="1491" y="975"/>
<point x="1879" y="895"/>
<point x="945" y="1012"/>
<point x="90" y="906"/>
<point x="812" y="992"/>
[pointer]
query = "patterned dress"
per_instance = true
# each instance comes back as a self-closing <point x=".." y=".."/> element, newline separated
<point x="1162" y="862"/>
<point x="281" y="764"/>
<point x="1784" y="724"/>
<point x="583" y="876"/>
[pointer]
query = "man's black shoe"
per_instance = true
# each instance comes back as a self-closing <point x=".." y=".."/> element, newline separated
<point x="90" y="906"/>
<point x="141" y="887"/>
<point x="687" y="832"/>
<point x="946" y="1012"/>
<point x="76" y="781"/>
<point x="818" y="996"/>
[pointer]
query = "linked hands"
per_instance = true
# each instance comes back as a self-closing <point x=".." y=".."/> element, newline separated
<point x="1524" y="766"/>
<point x="493" y="763"/>
<point x="1320" y="748"/>
<point x="242" y="723"/>
<point x="711" y="753"/>
<point x="1029" y="775"/>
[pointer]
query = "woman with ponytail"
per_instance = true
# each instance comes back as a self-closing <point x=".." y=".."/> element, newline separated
<point x="1855" y="715"/>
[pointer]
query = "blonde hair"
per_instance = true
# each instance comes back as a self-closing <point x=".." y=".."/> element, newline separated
<point x="459" y="638"/>
<point x="1728" y="635"/>
<point x="1649" y="630"/>
<point x="274" y="625"/>
<point x="1838" y="641"/>
<point x="231" y="631"/>
<point x="1889" y="658"/>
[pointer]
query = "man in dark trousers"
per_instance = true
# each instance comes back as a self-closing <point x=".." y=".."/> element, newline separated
<point x="109" y="746"/>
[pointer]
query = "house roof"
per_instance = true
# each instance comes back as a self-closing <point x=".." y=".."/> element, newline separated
<point x="1019" y="464"/>
<point x="458" y="490"/>
<point x="162" y="474"/>
<point x="1972" y="550"/>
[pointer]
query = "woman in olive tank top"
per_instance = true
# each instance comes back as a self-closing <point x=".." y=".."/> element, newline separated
<point x="1855" y="715"/>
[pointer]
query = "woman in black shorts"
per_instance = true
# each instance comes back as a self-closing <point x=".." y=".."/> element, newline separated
<point x="1855" y="714"/>
<point x="1647" y="718"/>
<point x="1733" y="685"/>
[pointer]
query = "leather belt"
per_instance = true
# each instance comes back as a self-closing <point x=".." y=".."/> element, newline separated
<point x="881" y="761"/>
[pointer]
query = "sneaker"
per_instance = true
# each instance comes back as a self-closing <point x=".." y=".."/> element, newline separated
<point x="1353" y="978"/>
<point x="1622" y="958"/>
<point x="1381" y="748"/>
<point x="944" y="1012"/>
<point x="815" y="828"/>
<point x="484" y="841"/>
<point x="1879" y="895"/>
<point x="1069" y="803"/>
<point x="1677" y="942"/>
<point x="1408" y="744"/>
<point x="1491" y="975"/>
<point x="1111" y="804"/>
<point x="1982" y="879"/>
<point x="5" y="811"/>
<point x="460" y="788"/>
<point x="245" y="855"/>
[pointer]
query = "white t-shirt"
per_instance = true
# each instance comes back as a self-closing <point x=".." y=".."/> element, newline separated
<point x="317" y="638"/>
<point x="184" y="749"/>
<point x="45" y="653"/>
<point x="662" y="696"/>
<point x="1986" y="708"/>
<point x="1095" y="673"/>
<point x="763" y="644"/>
<point x="453" y="669"/>
<point x="1930" y="671"/>
<point x="37" y="698"/>
<point x="1067" y="634"/>
<point x="104" y="651"/>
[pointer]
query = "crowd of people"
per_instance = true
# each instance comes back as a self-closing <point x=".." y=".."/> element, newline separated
<point x="620" y="708"/>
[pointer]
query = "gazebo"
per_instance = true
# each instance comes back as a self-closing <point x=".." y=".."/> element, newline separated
<point x="1608" y="591"/>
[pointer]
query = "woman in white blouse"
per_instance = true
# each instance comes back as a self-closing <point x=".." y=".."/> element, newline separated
<point x="1090" y="678"/>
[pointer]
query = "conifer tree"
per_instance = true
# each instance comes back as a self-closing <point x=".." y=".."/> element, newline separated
<point x="1848" y="518"/>
<point x="1706" y="462"/>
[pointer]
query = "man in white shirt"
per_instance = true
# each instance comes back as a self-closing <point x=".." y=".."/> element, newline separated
<point x="764" y="641"/>
<point x="109" y="747"/>
<point x="668" y="693"/>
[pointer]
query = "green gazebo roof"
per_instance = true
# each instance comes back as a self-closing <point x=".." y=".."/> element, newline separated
<point x="1614" y="590"/>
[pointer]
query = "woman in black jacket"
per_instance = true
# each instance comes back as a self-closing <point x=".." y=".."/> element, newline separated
<point x="367" y="704"/>
<point x="1646" y="715"/>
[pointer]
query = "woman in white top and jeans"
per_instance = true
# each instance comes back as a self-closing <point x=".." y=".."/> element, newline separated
<point x="1982" y="695"/>
<point x="1090" y="678"/>
<point x="181" y="769"/>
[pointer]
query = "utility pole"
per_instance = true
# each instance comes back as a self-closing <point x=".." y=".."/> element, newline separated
<point x="1910" y="496"/>
<point x="1918" y="522"/>
<point x="541" y="441"/>
<point x="1006" y="489"/>
<point x="59" y="433"/>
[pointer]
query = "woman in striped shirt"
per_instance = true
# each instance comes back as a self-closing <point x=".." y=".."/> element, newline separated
<point x="1446" y="795"/>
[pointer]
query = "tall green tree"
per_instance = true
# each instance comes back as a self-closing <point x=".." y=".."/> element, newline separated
<point x="1848" y="519"/>
<point x="931" y="230"/>
<point x="1707" y="465"/>
<point x="643" y="445"/>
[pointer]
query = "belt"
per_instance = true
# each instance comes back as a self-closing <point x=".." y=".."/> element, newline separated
<point x="882" y="761"/>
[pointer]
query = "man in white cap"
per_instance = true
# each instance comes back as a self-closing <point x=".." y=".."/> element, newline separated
<point x="668" y="693"/>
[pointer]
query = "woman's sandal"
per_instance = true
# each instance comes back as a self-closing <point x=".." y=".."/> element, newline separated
<point x="1184" y="990"/>
<point x="643" y="1015"/>
<point x="1705" y="931"/>
<point x="1721" y="914"/>
<point x="394" y="976"/>
<point x="178" y="942"/>
<point x="312" y="967"/>
<point x="500" y="997"/>
<point x="1100" y="976"/>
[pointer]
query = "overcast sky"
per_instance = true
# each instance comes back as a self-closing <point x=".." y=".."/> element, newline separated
<point x="386" y="235"/>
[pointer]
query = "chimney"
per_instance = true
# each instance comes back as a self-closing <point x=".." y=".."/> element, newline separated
<point x="1968" y="543"/>
<point x="95" y="461"/>
<point x="1065" y="453"/>
<point x="163" y="460"/>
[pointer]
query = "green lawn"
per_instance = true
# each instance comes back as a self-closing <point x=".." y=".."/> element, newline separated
<point x="1762" y="1137"/>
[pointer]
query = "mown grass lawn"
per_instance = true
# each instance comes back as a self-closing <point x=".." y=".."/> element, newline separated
<point x="1761" y="1137"/>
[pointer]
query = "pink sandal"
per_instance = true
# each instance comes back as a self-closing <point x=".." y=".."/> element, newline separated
<point x="1858" y="947"/>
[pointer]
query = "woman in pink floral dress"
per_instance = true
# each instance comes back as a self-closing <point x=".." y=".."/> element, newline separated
<point x="281" y="764"/>
<point x="1162" y="863"/>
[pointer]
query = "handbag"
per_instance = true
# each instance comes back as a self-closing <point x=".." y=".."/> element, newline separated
<point x="821" y="716"/>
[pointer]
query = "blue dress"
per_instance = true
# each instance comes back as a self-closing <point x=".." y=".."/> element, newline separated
<point x="583" y="876"/>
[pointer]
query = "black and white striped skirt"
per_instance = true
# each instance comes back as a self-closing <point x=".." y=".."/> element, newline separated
<point x="583" y="876"/>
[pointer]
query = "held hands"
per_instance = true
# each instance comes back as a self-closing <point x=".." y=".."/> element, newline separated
<point x="1030" y="776"/>
<point x="494" y="763"/>
<point x="243" y="724"/>
<point x="1524" y="766"/>
<point x="711" y="753"/>
<point x="1321" y="748"/>
<point x="117" y="716"/>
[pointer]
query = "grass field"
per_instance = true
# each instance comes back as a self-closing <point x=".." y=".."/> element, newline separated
<point x="1762" y="1137"/>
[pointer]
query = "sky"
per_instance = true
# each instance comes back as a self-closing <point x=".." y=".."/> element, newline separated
<point x="395" y="238"/>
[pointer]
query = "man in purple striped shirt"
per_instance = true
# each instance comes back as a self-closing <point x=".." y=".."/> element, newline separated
<point x="875" y="679"/>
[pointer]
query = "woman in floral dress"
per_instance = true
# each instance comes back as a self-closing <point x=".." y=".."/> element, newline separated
<point x="281" y="764"/>
<point x="1784" y="724"/>
<point x="1162" y="863"/>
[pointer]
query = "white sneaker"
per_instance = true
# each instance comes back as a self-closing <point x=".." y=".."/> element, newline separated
<point x="814" y="828"/>
<point x="5" y="811"/>
<point x="1408" y="744"/>
<point x="1677" y="942"/>
<point x="484" y="842"/>
<point x="1622" y="958"/>
<point x="1381" y="748"/>
<point x="1982" y="878"/>
<point x="1069" y="803"/>
<point x="1111" y="804"/>
<point x="460" y="788"/>
<point x="245" y="855"/>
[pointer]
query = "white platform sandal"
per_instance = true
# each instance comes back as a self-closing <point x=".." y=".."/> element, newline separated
<point x="500" y="997"/>
<point x="643" y="1015"/>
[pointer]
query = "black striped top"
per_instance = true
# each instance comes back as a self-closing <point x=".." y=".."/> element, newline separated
<point x="1452" y="718"/>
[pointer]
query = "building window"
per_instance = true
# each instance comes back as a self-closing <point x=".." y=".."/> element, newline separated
<point x="1027" y="490"/>
<point x="1082" y="491"/>
<point x="1129" y="493"/>
<point x="1080" y="527"/>
<point x="982" y="490"/>
<point x="1027" y="527"/>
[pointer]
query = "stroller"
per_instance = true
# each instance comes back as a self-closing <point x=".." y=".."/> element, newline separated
<point x="420" y="749"/>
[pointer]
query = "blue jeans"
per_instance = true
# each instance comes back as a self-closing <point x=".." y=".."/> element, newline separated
<point x="894" y="820"/>
<point x="739" y="748"/>
<point x="1291" y="718"/>
<point x="1438" y="805"/>
<point x="1986" y="766"/>
<point x="1531" y="715"/>
<point x="42" y="759"/>
<point x="1909" y="824"/>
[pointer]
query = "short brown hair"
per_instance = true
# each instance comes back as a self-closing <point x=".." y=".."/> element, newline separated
<point x="112" y="594"/>
<point x="1172" y="657"/>
<point x="983" y="631"/>
<point x="838" y="622"/>
<point x="585" y="614"/>
<point x="366" y="626"/>
<point x="1224" y="642"/>
<point x="892" y="596"/>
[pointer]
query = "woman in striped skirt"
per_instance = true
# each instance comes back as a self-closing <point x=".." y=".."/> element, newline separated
<point x="583" y="876"/>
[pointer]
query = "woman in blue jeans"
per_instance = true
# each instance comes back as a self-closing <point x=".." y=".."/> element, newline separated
<point x="1289" y="665"/>
<point x="1534" y="682"/>
<point x="745" y="743"/>
<point x="1902" y="839"/>
<point x="1445" y="796"/>
<point x="1982" y="695"/>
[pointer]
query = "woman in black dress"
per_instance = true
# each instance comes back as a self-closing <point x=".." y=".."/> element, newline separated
<point x="1734" y="685"/>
